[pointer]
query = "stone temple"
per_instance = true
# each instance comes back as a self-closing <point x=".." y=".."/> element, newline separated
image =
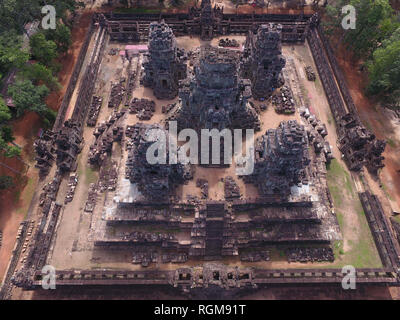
<point x="154" y="181"/>
<point x="281" y="159"/>
<point x="164" y="64"/>
<point x="215" y="96"/>
<point x="262" y="61"/>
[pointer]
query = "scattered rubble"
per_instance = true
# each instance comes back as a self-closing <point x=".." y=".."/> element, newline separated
<point x="72" y="183"/>
<point x="283" y="101"/>
<point x="143" y="108"/>
<point x="105" y="135"/>
<point x="92" y="198"/>
<point x="108" y="177"/>
<point x="310" y="73"/>
<point x="203" y="185"/>
<point x="117" y="93"/>
<point x="255" y="256"/>
<point x="228" y="43"/>
<point x="94" y="111"/>
<point x="231" y="188"/>
<point x="310" y="255"/>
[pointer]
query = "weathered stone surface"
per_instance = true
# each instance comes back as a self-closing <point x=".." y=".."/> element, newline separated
<point x="155" y="181"/>
<point x="215" y="97"/>
<point x="262" y="61"/>
<point x="281" y="158"/>
<point x="164" y="64"/>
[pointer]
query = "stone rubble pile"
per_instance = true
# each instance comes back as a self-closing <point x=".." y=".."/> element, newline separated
<point x="310" y="255"/>
<point x="255" y="256"/>
<point x="310" y="73"/>
<point x="108" y="177"/>
<point x="283" y="101"/>
<point x="44" y="149"/>
<point x="143" y="108"/>
<point x="92" y="198"/>
<point x="203" y="185"/>
<point x="228" y="43"/>
<point x="94" y="111"/>
<point x="72" y="183"/>
<point x="117" y="93"/>
<point x="317" y="133"/>
<point x="231" y="188"/>
<point x="105" y="135"/>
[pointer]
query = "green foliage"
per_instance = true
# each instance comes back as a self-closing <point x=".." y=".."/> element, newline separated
<point x="376" y="38"/>
<point x="45" y="51"/>
<point x="7" y="134"/>
<point x="7" y="150"/>
<point x="61" y="36"/>
<point x="26" y="96"/>
<point x="5" y="113"/>
<point x="384" y="68"/>
<point x="11" y="55"/>
<point x="15" y="13"/>
<point x="375" y="21"/>
<point x="6" y="182"/>
<point x="39" y="73"/>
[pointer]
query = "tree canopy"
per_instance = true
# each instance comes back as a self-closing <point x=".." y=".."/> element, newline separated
<point x="43" y="50"/>
<point x="384" y="68"/>
<point x="27" y="96"/>
<point x="61" y="37"/>
<point x="11" y="54"/>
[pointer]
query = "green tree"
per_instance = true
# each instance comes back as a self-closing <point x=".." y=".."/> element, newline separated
<point x="6" y="182"/>
<point x="7" y="150"/>
<point x="7" y="134"/>
<point x="5" y="113"/>
<point x="26" y="96"/>
<point x="45" y="51"/>
<point x="375" y="21"/>
<point x="61" y="36"/>
<point x="11" y="55"/>
<point x="384" y="68"/>
<point x="38" y="72"/>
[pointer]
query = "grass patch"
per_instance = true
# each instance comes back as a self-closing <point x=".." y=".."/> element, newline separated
<point x="361" y="253"/>
<point x="90" y="175"/>
<point x="337" y="172"/>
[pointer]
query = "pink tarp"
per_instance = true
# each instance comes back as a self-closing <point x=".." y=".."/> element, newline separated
<point x="137" y="47"/>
